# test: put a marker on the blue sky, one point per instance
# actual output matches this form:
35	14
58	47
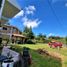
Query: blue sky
45	17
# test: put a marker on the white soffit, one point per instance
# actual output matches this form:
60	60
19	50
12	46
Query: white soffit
15	3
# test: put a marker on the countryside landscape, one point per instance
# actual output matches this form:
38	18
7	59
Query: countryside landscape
33	33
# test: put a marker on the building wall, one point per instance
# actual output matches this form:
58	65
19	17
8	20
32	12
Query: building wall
9	29
7	33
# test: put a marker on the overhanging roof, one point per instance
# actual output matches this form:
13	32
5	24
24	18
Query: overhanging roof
19	35
11	8
15	3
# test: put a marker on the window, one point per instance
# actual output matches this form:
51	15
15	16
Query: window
4	28
14	30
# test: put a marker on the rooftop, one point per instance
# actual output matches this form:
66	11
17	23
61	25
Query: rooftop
9	9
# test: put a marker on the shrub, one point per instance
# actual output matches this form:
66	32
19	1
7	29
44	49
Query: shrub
47	41
30	41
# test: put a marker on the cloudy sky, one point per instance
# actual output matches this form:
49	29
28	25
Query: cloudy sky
44	16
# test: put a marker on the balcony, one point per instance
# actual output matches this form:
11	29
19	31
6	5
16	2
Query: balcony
4	31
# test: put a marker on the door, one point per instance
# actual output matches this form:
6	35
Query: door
0	41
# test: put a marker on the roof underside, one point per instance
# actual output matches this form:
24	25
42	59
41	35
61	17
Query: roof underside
9	10
15	3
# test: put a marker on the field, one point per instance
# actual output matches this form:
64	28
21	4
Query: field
39	60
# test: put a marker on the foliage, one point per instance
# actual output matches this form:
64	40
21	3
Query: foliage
57	38
66	40
39	60
29	41
28	33
41	38
47	40
54	37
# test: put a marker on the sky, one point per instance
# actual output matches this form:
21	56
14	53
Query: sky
44	16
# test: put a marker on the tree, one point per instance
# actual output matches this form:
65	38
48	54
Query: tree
66	40
41	38
54	37
28	32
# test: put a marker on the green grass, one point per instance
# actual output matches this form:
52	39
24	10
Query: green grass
45	61
62	51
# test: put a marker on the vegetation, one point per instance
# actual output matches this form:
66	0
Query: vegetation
66	41
39	60
55	37
41	38
28	33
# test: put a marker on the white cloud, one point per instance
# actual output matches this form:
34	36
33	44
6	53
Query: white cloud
24	14
30	9
21	13
31	23
50	34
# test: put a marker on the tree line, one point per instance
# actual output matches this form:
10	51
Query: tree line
41	38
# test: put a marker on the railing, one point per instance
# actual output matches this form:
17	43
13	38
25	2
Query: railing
4	31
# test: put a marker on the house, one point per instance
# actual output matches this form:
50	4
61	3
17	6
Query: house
8	9
11	33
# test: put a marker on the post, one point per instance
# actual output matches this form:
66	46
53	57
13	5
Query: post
11	35
2	2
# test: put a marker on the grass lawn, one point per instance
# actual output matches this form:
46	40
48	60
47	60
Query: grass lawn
43	60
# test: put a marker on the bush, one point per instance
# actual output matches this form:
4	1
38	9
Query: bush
30	41
43	41
1	47
47	41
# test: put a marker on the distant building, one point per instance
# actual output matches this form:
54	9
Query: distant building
11	33
8	9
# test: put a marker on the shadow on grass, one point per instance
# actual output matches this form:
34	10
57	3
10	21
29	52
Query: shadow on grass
39	60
